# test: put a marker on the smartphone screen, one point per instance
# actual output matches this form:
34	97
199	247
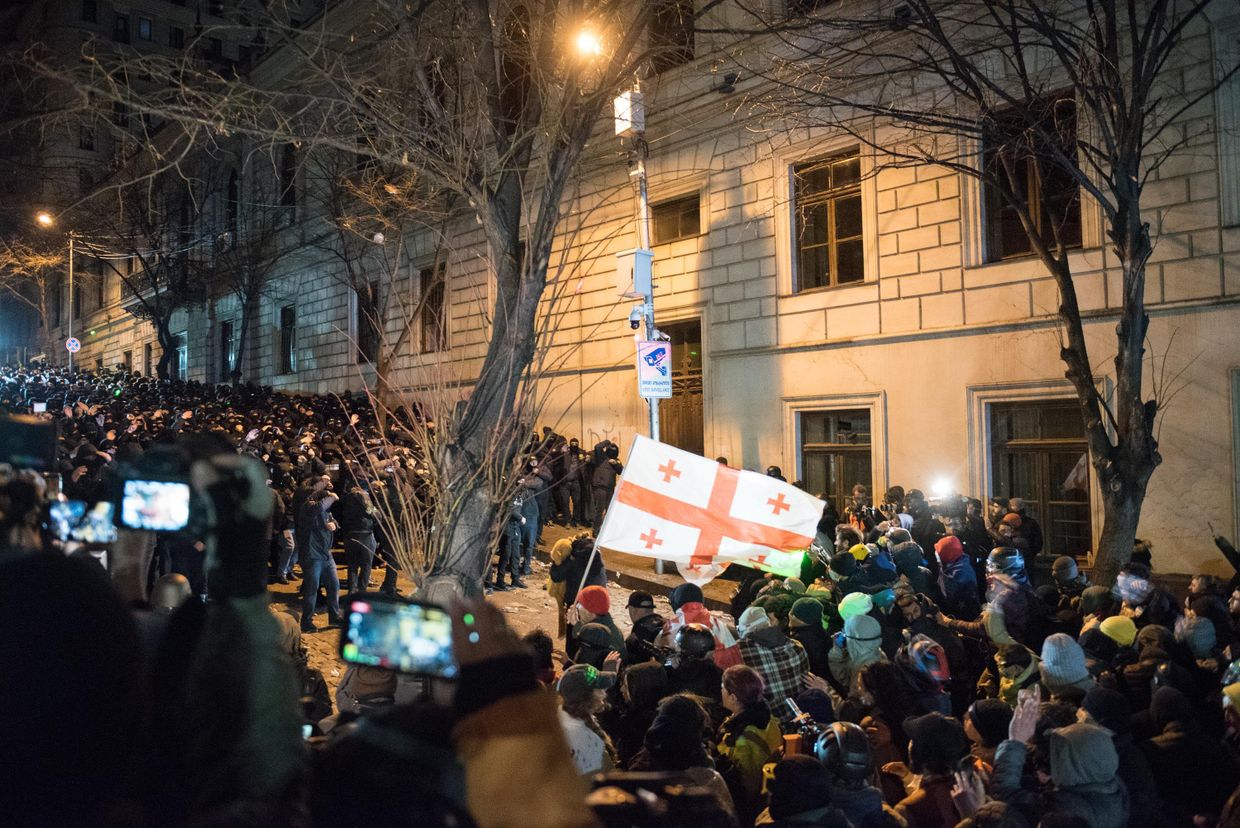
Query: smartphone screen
39	408
408	638
155	505
72	520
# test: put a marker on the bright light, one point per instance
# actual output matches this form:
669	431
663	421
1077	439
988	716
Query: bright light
45	219
941	487
589	44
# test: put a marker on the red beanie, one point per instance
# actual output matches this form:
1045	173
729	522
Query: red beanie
594	600
949	549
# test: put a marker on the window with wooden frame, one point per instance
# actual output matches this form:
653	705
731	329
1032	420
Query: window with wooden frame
678	218
836	453
1021	154
829	247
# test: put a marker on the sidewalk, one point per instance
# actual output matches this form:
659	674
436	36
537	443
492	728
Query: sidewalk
633	572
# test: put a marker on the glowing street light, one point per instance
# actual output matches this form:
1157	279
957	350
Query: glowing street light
589	43
45	220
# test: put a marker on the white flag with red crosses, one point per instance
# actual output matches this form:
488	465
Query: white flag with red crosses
702	515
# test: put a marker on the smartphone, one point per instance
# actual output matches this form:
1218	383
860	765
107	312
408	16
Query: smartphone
73	520
38	408
407	637
154	505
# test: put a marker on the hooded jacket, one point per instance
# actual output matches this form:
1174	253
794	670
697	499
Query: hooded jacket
958	583
862	645
1084	770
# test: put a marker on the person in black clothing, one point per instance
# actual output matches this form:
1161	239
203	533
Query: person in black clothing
580	564
642	686
805	625
357	522
1029	530
605	467
927	529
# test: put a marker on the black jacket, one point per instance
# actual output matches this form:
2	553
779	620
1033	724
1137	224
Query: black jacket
573	568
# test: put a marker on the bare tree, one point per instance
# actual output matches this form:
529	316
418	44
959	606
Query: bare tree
30	277
1045	103
249	244
472	104
148	231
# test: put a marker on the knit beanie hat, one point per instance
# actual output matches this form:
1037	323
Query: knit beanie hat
685	594
859	551
949	549
991	717
806	612
594	600
897	536
884	598
1094	599
752	620
854	604
1098	645
1155	635
1197	634
1120	629
844	565
798	785
1063	661
795	586
863	628
1109	708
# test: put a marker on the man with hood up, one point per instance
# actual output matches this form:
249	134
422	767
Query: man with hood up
1084	770
860	644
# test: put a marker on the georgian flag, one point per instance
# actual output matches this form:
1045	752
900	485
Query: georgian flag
702	515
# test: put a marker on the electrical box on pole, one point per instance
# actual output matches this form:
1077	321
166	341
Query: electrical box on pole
630	113
634	279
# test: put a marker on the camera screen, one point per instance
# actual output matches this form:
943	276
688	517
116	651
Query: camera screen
155	505
72	520
410	638
39	408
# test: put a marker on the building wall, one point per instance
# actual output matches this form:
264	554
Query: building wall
931	337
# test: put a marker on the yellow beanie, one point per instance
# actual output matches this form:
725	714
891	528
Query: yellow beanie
1120	629
860	552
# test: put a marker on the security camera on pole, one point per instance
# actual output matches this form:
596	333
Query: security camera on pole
634	269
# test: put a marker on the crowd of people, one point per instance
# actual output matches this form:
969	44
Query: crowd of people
930	667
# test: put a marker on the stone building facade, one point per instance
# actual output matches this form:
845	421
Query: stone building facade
899	345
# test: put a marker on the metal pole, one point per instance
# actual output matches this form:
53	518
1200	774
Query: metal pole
70	297
643	241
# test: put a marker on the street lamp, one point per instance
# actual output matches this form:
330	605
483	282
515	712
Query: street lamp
45	220
589	43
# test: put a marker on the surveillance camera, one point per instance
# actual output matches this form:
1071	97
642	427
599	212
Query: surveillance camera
635	317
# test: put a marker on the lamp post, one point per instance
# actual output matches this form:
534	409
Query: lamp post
46	220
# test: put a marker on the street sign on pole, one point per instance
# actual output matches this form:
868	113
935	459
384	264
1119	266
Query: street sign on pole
654	370
73	345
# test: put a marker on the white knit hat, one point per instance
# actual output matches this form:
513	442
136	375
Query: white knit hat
751	620
1063	662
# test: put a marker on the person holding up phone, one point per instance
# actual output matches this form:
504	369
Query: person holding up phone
315	530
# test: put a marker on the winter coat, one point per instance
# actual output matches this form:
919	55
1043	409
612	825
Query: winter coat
570	572
1193	772
958	583
908	557
817	646
862	647
747	741
1084	769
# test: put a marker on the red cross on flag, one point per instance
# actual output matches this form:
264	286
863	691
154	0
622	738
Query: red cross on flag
702	515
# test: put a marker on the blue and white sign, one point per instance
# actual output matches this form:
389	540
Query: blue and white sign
654	370
73	345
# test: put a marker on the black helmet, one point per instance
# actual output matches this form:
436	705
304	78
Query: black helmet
695	640
844	750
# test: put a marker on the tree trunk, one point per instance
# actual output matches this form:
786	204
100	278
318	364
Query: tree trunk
460	566
247	314
1121	514
167	349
